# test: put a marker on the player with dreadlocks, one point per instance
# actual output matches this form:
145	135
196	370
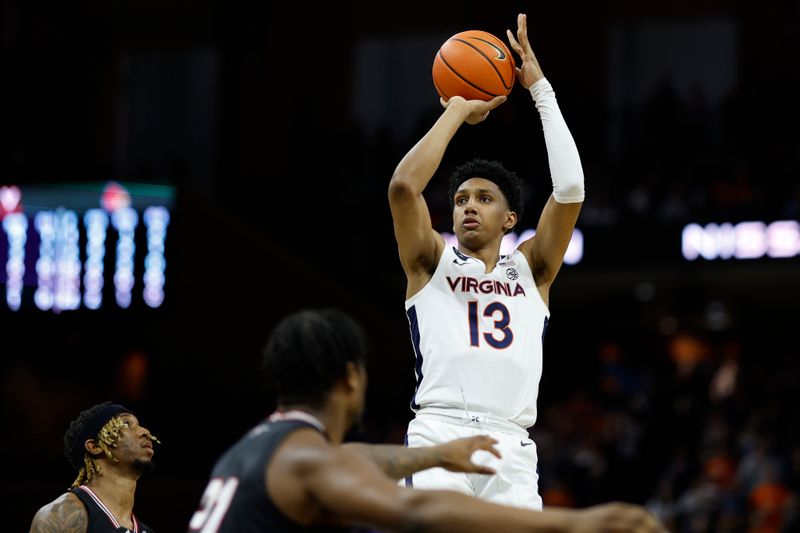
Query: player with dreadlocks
110	451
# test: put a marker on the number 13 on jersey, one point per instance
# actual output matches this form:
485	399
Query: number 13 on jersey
500	336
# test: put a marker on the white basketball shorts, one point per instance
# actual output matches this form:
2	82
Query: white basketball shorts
516	482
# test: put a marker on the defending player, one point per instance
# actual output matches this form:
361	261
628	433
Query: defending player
110	451
291	473
478	319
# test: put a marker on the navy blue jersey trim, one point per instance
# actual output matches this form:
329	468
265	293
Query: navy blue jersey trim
414	326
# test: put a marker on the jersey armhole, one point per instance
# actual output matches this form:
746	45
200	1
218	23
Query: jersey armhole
445	251
77	497
533	277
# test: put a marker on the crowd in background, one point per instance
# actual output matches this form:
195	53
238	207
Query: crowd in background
701	428
687	161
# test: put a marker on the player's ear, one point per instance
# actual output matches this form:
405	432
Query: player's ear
511	221
352	376
92	447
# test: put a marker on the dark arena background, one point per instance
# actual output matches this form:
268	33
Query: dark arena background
177	176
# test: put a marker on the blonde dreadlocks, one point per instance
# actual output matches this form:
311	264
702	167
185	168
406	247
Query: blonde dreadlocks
107	438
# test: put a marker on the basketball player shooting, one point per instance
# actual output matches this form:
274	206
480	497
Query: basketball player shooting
477	318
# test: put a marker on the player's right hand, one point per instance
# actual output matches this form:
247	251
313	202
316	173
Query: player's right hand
615	518
476	110
456	455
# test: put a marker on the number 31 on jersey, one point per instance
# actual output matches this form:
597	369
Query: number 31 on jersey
213	505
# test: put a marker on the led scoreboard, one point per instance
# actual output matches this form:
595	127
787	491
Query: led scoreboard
70	246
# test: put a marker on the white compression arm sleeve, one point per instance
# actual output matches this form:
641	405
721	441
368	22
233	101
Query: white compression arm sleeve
565	163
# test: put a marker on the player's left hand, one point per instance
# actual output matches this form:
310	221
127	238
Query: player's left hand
456	455
529	72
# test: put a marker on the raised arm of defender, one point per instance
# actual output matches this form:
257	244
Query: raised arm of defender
418	244
545	252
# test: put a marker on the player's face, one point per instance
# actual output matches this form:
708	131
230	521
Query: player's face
135	445
480	212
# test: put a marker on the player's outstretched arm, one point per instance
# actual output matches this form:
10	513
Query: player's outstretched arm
545	251
352	488
612	518
66	514
418	244
398	462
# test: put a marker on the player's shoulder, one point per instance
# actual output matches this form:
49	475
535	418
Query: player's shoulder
521	255
429	263
64	514
525	256
526	248
67	500
304	450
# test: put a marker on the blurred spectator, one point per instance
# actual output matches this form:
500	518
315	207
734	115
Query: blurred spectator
770	504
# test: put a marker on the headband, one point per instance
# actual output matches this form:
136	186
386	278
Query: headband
90	429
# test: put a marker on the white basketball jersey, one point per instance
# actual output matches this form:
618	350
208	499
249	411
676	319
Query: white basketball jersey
478	337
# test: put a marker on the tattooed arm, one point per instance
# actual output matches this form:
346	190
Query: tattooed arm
398	462
66	514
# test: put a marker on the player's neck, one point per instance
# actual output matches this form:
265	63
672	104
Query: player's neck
116	491
488	254
332	418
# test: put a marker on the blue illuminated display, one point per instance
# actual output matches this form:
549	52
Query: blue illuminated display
79	243
15	226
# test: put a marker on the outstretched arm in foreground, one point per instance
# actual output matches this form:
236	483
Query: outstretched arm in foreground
351	487
398	462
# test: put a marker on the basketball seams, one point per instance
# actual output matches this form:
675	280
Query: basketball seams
462	78
510	58
489	60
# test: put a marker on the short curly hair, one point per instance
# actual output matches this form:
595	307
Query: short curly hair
508	182
308	352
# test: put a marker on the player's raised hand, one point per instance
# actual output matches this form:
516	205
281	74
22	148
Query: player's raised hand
477	110
456	455
529	72
615	518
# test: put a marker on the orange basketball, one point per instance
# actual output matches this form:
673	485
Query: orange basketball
473	64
